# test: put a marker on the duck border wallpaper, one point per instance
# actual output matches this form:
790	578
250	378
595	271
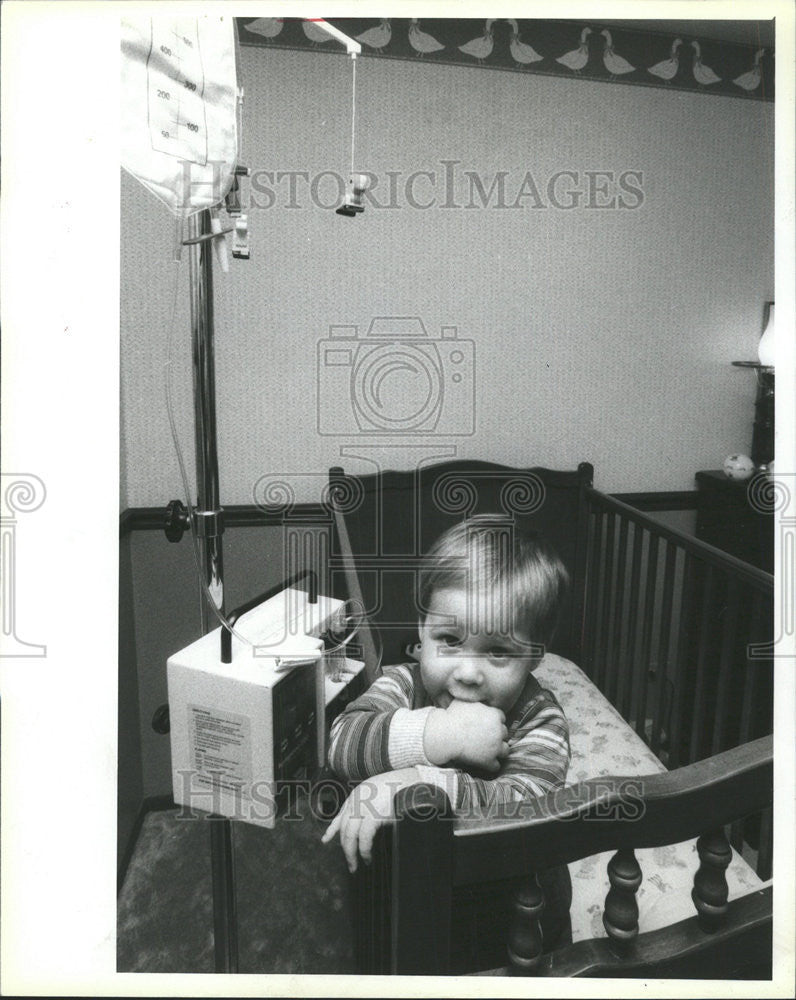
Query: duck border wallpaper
553	48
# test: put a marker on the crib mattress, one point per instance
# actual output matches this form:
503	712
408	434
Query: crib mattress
602	743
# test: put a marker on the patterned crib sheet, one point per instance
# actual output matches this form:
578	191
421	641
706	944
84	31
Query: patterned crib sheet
602	743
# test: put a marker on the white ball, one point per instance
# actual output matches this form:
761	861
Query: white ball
738	467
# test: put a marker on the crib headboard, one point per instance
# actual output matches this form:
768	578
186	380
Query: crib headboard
393	517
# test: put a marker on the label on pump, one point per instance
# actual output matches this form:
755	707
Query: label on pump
220	749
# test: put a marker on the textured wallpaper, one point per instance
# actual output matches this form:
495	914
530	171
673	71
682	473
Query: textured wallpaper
586	261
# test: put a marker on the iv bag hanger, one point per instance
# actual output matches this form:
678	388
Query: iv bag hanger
352	48
357	183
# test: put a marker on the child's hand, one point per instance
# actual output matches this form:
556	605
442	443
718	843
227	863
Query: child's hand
470	733
367	808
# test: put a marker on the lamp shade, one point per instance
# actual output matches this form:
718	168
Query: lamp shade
766	349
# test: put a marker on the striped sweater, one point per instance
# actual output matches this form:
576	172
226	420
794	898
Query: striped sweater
382	730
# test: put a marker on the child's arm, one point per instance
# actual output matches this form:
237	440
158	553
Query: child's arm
380	731
537	762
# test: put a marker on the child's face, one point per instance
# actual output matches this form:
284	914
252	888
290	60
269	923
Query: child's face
462	661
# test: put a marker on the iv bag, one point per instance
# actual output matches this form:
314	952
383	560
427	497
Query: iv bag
179	99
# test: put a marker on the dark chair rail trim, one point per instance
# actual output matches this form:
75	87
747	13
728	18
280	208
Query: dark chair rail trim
237	516
252	516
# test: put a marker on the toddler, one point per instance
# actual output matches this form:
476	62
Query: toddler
469	716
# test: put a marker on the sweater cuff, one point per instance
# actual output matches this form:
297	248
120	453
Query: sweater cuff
445	778
405	746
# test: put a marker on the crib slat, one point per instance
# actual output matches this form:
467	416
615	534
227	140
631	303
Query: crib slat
650	591
737	828
608	596
683	666
617	665
620	916
736	835
629	676
593	578
700	692
766	845
598	595
525	932
725	663
670	559
750	677
763	720
610	562
710	881
750	827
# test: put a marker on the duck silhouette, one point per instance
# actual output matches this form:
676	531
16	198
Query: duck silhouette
376	38
667	68
421	41
577	58
703	74
480	48
315	34
520	52
751	80
268	27
616	65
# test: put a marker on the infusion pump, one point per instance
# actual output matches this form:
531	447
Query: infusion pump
242	731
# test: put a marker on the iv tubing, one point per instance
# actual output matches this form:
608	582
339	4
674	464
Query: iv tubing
353	107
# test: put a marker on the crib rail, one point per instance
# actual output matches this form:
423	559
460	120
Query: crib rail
676	634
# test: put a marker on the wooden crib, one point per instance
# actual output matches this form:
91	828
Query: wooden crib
667	641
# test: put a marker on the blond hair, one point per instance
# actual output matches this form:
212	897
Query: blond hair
521	576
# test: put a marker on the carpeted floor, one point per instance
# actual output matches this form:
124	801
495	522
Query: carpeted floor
293	901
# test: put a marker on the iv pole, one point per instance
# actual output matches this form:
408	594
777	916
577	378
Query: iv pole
208	517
